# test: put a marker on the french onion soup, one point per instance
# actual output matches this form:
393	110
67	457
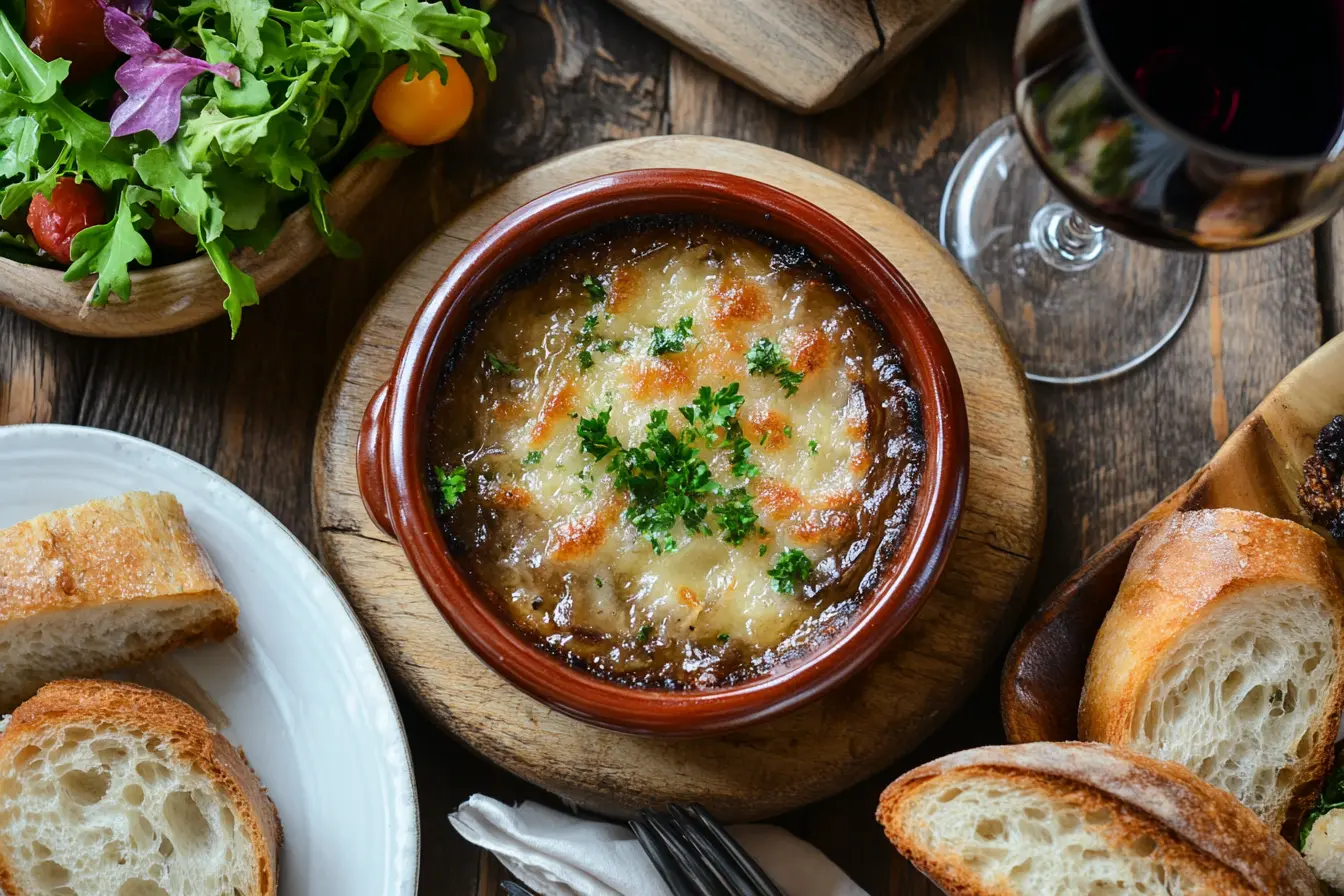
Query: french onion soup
675	453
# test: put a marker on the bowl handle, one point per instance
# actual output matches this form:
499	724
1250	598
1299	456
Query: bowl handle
369	460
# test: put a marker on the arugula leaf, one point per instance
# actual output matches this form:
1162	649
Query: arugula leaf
791	567
37	78
245	20
183	196
340	244
452	484
242	288
20	137
667	341
109	249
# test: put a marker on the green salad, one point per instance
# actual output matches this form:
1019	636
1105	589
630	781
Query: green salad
196	125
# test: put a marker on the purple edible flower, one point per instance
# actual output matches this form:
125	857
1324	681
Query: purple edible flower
153	77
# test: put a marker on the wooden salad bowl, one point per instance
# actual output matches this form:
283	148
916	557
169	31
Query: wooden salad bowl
173	297
1259	468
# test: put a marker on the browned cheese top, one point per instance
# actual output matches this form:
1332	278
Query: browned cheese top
670	316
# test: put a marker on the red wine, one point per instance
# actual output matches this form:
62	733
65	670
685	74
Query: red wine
1247	75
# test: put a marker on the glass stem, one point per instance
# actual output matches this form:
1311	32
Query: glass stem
1065	239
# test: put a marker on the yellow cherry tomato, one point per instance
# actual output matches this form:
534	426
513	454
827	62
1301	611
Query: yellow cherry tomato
424	110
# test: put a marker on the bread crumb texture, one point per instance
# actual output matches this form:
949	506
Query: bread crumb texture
115	790
1006	832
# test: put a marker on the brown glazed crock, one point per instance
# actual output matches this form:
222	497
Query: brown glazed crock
394	476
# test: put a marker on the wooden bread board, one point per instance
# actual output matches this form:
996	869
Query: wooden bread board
1258	468
804	55
799	758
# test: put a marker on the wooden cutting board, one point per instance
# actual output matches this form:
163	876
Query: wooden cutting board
805	55
770	768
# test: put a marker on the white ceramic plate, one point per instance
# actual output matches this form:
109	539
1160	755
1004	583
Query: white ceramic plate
303	694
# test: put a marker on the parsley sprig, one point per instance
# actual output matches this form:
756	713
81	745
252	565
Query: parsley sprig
737	518
595	290
713	411
765	358
667	480
499	365
664	342
791	568
452	484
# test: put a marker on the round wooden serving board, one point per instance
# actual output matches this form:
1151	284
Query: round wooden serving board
770	768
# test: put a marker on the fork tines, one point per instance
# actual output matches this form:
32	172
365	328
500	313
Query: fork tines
696	856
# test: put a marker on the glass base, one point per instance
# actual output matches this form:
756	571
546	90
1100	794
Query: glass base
1079	302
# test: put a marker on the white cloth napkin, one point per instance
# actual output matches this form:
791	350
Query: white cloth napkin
559	855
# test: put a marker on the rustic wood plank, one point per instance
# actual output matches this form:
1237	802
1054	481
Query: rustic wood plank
41	372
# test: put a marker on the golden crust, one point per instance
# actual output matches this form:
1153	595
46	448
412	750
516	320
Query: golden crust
1194	824
1182	570
186	732
736	301
557	404
136	546
654	378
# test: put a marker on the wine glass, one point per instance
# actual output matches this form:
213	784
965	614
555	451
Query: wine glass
1146	133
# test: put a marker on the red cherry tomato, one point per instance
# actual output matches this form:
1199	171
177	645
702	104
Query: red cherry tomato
56	221
424	110
69	29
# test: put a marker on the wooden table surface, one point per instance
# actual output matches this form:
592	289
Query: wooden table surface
577	72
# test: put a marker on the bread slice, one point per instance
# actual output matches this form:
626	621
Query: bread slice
111	789
100	586
1222	653
1085	819
1324	849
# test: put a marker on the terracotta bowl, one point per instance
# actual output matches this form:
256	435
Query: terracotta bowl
393	467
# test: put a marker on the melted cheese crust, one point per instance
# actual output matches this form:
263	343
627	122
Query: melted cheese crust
541	526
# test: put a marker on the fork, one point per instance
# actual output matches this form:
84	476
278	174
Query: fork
695	856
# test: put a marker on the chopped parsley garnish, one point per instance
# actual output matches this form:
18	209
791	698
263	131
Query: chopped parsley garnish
644	632
665	342
788	431
585	359
598	580
791	567
593	436
589	325
587	492
723	637
741	459
711	411
761	552
668	482
737	518
765	359
533	457
499	365
595	290
812	447
452	483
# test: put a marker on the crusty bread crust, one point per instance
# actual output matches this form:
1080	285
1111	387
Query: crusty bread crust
1226	841
135	548
1180	573
186	731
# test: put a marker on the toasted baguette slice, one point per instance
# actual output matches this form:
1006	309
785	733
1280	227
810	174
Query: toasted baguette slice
100	586
1222	653
110	789
1324	849
1046	818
